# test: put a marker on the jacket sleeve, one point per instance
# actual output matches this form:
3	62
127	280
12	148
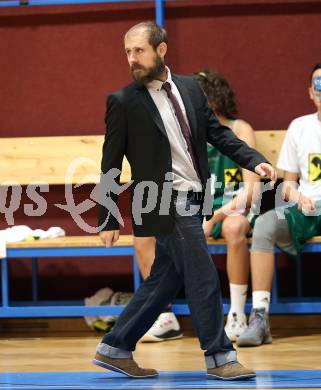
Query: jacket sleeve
223	138
112	157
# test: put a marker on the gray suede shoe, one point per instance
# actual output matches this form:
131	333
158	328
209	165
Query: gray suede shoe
258	331
230	372
125	366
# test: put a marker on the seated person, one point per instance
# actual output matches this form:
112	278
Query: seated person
233	225
288	228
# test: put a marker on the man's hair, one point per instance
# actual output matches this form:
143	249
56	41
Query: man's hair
316	67
156	34
218	91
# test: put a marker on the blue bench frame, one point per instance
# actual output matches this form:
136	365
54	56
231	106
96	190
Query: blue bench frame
36	308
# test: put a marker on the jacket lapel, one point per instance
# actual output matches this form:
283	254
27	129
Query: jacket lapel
189	108
151	108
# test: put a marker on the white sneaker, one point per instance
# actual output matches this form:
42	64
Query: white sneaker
166	327
235	325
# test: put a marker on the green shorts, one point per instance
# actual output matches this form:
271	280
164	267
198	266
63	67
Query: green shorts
302	227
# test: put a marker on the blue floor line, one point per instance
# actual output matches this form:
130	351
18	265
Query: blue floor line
274	379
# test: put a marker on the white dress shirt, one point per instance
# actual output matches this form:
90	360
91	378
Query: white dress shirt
184	175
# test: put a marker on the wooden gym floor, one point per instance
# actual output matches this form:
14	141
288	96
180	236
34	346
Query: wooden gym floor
59	351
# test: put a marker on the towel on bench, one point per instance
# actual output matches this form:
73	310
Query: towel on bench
22	233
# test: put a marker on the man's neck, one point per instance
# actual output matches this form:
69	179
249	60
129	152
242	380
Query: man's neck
163	76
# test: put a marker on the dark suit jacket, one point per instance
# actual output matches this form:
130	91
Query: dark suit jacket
134	128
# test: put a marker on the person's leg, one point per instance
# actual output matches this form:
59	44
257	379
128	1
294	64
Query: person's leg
262	268
166	327
188	249
235	230
181	256
145	254
115	350
269	230
262	262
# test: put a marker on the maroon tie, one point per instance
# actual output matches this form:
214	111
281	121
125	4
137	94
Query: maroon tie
183	125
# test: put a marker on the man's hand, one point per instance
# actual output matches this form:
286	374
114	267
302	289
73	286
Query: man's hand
266	170
306	205
109	237
208	228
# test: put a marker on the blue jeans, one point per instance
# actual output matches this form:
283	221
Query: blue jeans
182	258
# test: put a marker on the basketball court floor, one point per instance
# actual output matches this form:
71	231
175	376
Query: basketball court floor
292	361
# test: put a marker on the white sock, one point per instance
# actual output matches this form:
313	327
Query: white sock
238	294
261	299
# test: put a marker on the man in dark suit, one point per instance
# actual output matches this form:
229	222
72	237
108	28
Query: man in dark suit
162	123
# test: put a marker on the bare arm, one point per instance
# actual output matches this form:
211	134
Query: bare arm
250	191
291	194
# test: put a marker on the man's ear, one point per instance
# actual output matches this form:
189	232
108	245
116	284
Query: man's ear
162	49
311	93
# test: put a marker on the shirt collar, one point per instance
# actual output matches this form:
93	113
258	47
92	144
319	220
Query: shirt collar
157	84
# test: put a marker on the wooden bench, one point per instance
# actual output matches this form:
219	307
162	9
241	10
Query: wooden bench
46	159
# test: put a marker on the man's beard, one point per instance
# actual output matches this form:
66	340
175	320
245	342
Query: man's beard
152	73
